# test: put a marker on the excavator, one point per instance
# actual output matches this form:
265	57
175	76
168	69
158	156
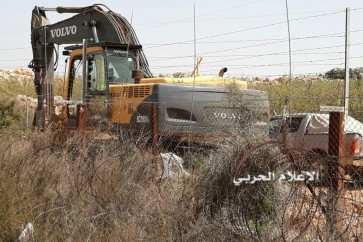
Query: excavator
108	78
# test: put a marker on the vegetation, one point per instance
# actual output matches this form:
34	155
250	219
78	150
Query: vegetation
106	189
13	110
339	73
8	115
308	94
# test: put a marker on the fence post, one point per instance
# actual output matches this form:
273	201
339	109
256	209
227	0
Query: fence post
336	172
155	133
82	124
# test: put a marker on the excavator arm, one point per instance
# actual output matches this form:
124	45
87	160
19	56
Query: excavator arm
94	23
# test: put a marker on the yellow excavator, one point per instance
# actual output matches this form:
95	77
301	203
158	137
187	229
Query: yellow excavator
108	76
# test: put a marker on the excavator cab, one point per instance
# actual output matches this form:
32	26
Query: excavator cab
107	64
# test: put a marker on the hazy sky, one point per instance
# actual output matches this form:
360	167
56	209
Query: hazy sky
249	37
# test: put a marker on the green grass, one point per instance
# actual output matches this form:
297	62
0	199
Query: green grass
13	112
308	95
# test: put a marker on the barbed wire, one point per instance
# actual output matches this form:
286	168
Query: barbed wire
248	56
259	45
251	28
328	35
184	20
241	17
240	56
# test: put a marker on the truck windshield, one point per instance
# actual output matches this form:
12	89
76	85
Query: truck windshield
119	66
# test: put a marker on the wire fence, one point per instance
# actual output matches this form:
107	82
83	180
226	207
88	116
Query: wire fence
328	42
289	175
287	169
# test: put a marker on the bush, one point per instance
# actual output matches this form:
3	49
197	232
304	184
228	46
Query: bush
339	73
8	115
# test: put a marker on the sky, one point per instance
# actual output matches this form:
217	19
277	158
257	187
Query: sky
249	37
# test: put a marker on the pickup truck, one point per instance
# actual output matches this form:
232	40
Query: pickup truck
309	132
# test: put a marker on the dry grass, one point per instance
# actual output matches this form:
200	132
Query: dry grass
107	191
110	194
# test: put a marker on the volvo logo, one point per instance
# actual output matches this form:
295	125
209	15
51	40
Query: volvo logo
64	31
120	52
218	115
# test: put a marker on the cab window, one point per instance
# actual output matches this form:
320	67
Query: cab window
75	80
119	67
293	124
97	73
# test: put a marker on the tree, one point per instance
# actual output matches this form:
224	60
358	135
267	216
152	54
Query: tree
339	73
179	74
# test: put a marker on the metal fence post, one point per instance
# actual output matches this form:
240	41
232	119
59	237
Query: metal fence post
336	171
155	133
82	124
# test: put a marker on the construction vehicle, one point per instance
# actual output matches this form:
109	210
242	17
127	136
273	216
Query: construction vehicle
108	77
